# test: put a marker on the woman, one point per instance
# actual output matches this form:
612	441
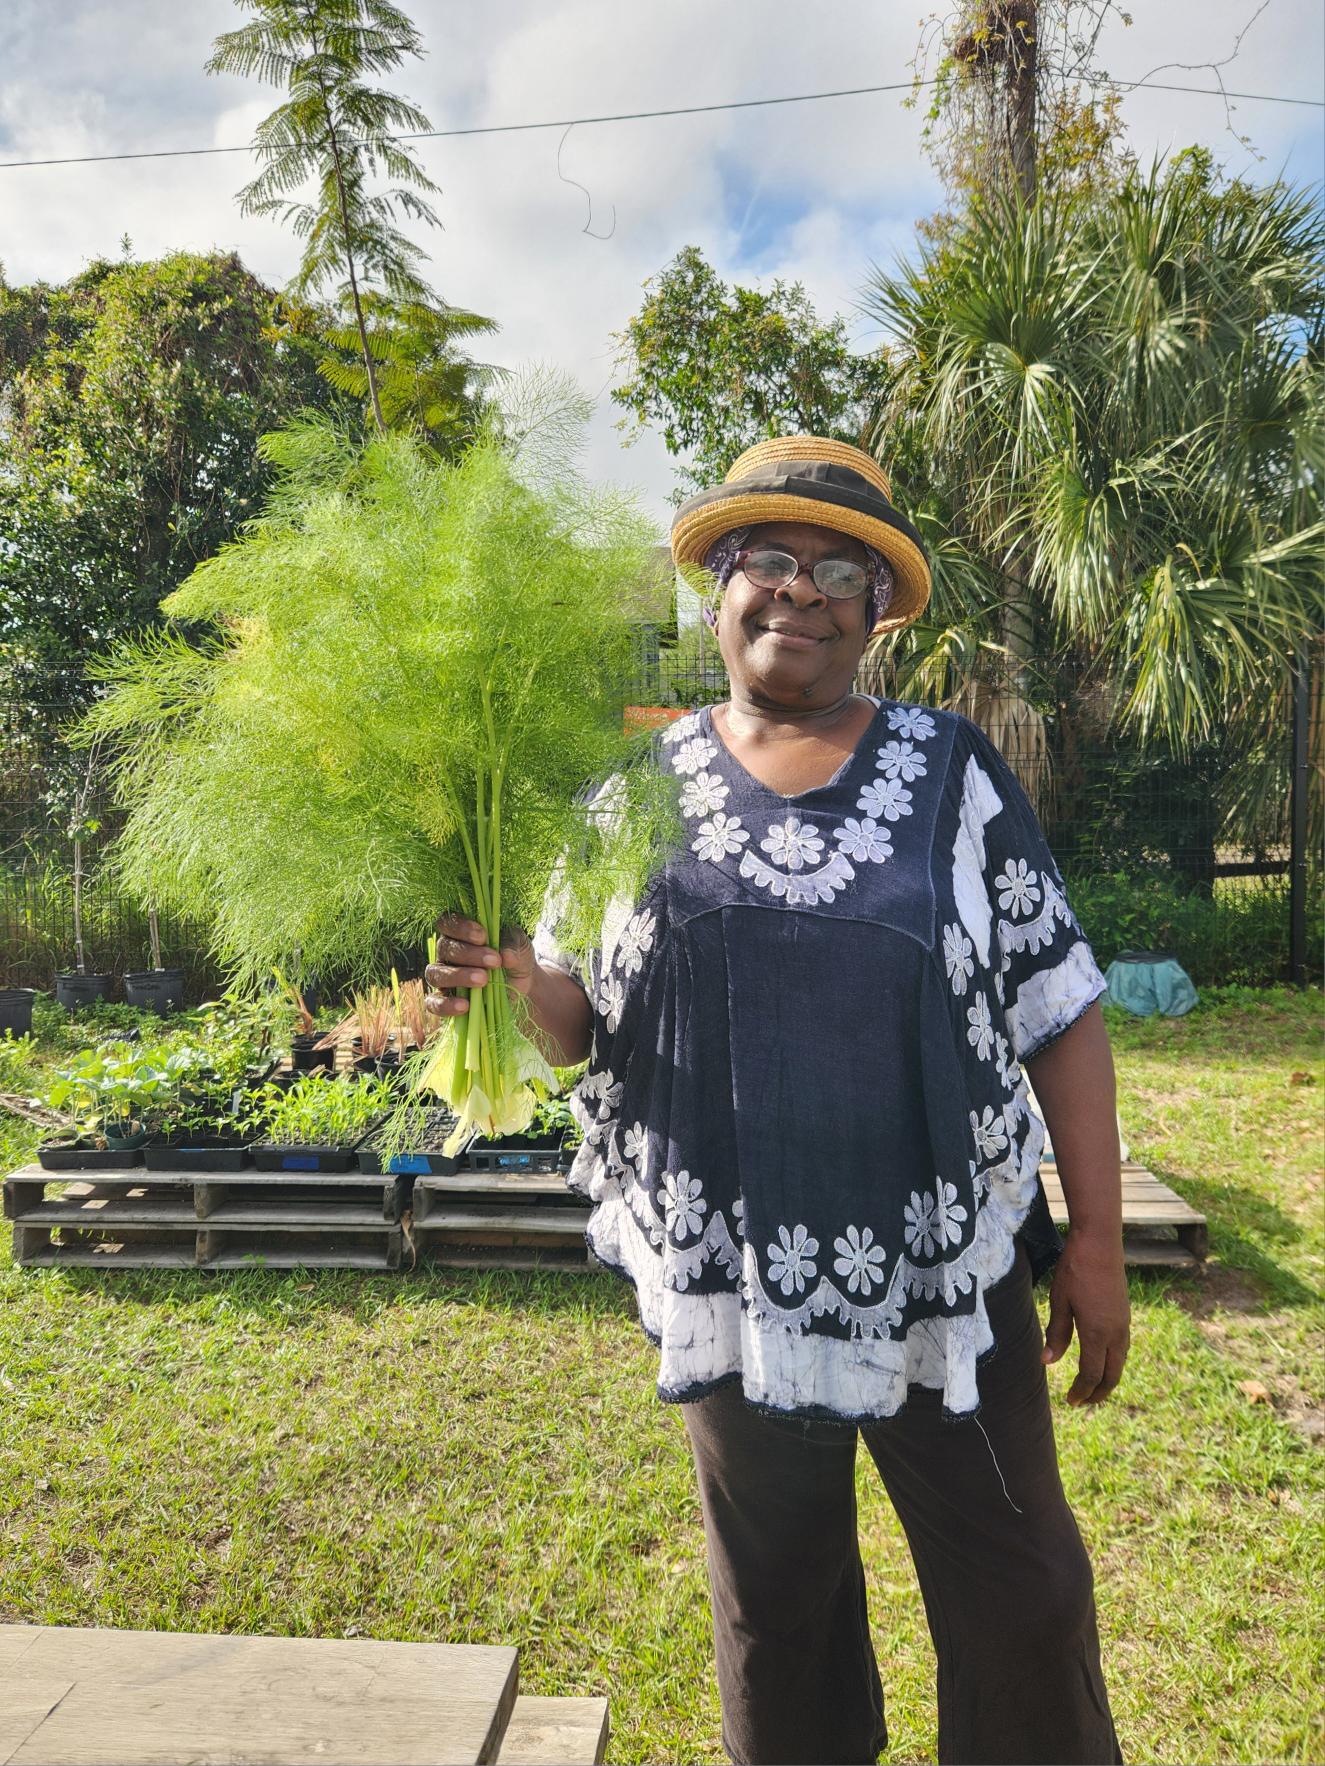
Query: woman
809	1145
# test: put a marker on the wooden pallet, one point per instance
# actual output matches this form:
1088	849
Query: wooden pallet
181	1219
500	1220
1159	1228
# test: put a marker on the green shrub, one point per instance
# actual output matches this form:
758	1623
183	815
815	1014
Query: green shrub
1238	935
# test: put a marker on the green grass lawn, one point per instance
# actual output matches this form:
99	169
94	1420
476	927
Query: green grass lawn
481	1458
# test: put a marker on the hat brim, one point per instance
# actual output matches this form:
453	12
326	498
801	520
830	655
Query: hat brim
706	517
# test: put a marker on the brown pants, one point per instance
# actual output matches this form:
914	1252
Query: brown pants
1006	1581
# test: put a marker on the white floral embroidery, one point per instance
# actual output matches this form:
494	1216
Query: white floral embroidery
910	721
610	999
902	760
791	1262
634	1144
948	1217
980	1032
957	957
718	837
989	1131
1009	1068
682	729
859	1259
805	889
683	1202
703	794
918	1216
793	844
636	942
888	798
864	840
1018	888
693	756
601	1090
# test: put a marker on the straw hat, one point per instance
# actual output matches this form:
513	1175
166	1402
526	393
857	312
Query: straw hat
824	482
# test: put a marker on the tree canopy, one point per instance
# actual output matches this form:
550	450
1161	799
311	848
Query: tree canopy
131	402
718	369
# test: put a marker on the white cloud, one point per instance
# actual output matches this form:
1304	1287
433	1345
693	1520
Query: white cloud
814	192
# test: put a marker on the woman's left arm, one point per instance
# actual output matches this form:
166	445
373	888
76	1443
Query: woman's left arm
1074	1085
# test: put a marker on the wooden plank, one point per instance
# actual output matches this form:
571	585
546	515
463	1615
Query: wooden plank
114	1209
555	1732
24	1706
157	1699
1156	1253
547	1219
33	1250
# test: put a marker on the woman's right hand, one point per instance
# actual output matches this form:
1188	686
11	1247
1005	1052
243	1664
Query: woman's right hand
465	959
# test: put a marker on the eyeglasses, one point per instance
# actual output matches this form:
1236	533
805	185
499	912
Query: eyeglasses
767	568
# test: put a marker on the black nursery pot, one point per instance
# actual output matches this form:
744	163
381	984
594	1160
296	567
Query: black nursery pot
73	991
16	1009
304	1056
160	990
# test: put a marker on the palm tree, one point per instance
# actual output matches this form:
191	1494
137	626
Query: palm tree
1105	409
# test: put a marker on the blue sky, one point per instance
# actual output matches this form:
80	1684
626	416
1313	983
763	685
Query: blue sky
813	192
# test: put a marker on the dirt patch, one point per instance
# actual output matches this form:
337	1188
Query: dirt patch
1215	1288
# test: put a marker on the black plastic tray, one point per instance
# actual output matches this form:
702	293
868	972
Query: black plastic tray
89	1158
196	1156
415	1164
517	1152
269	1157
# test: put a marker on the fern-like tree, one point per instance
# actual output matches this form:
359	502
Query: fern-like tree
338	130
425	383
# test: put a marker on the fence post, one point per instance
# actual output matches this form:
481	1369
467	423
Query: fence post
1297	851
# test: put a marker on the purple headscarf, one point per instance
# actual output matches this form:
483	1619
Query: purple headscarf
720	560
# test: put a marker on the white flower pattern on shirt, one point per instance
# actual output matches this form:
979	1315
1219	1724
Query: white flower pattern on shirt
611	998
684	1204
957	957
988	1130
911	721
636	942
864	841
902	760
703	794
888	798
791	1261
1018	888
792	844
717	837
693	756
980	1027
918	1216
859	1259
948	1216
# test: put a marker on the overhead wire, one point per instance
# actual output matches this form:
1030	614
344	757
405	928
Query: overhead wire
632	116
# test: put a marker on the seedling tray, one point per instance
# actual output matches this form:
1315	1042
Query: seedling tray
200	1154
517	1152
89	1158
425	1161
269	1157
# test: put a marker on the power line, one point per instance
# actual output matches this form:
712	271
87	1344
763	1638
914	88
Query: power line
635	116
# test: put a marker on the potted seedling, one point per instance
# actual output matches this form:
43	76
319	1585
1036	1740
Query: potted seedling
80	988
309	1047
160	989
374	1038
110	1092
203	1122
318	1122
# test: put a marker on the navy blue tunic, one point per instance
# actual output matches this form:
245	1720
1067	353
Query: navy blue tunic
807	1134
